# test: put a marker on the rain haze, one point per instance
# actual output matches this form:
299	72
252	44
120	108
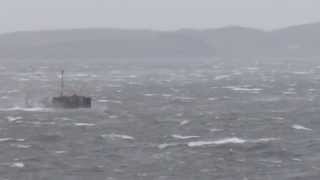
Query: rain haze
18	15
159	90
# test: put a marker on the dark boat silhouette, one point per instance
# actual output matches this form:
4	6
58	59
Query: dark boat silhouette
70	102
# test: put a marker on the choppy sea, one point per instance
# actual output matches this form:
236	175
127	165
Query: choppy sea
185	120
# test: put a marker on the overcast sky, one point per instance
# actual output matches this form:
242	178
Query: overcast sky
16	15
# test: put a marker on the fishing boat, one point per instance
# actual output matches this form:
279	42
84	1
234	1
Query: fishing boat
72	101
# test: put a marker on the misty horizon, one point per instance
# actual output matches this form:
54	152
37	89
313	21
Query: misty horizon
35	15
233	41
162	30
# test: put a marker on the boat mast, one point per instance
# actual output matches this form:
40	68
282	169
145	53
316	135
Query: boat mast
62	83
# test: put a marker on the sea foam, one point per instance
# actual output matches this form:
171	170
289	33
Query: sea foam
232	140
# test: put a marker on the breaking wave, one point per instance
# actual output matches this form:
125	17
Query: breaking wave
33	109
233	140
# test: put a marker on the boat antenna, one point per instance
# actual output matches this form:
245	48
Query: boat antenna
62	83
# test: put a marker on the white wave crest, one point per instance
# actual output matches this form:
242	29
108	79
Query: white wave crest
17	165
233	140
167	145
84	124
11	139
299	127
34	109
176	136
12	119
117	136
184	122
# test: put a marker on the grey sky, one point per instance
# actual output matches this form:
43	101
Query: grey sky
18	15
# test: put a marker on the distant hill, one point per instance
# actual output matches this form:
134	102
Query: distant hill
296	41
101	43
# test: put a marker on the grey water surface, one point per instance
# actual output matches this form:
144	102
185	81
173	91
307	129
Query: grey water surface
200	119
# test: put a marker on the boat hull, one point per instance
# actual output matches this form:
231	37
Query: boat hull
72	102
